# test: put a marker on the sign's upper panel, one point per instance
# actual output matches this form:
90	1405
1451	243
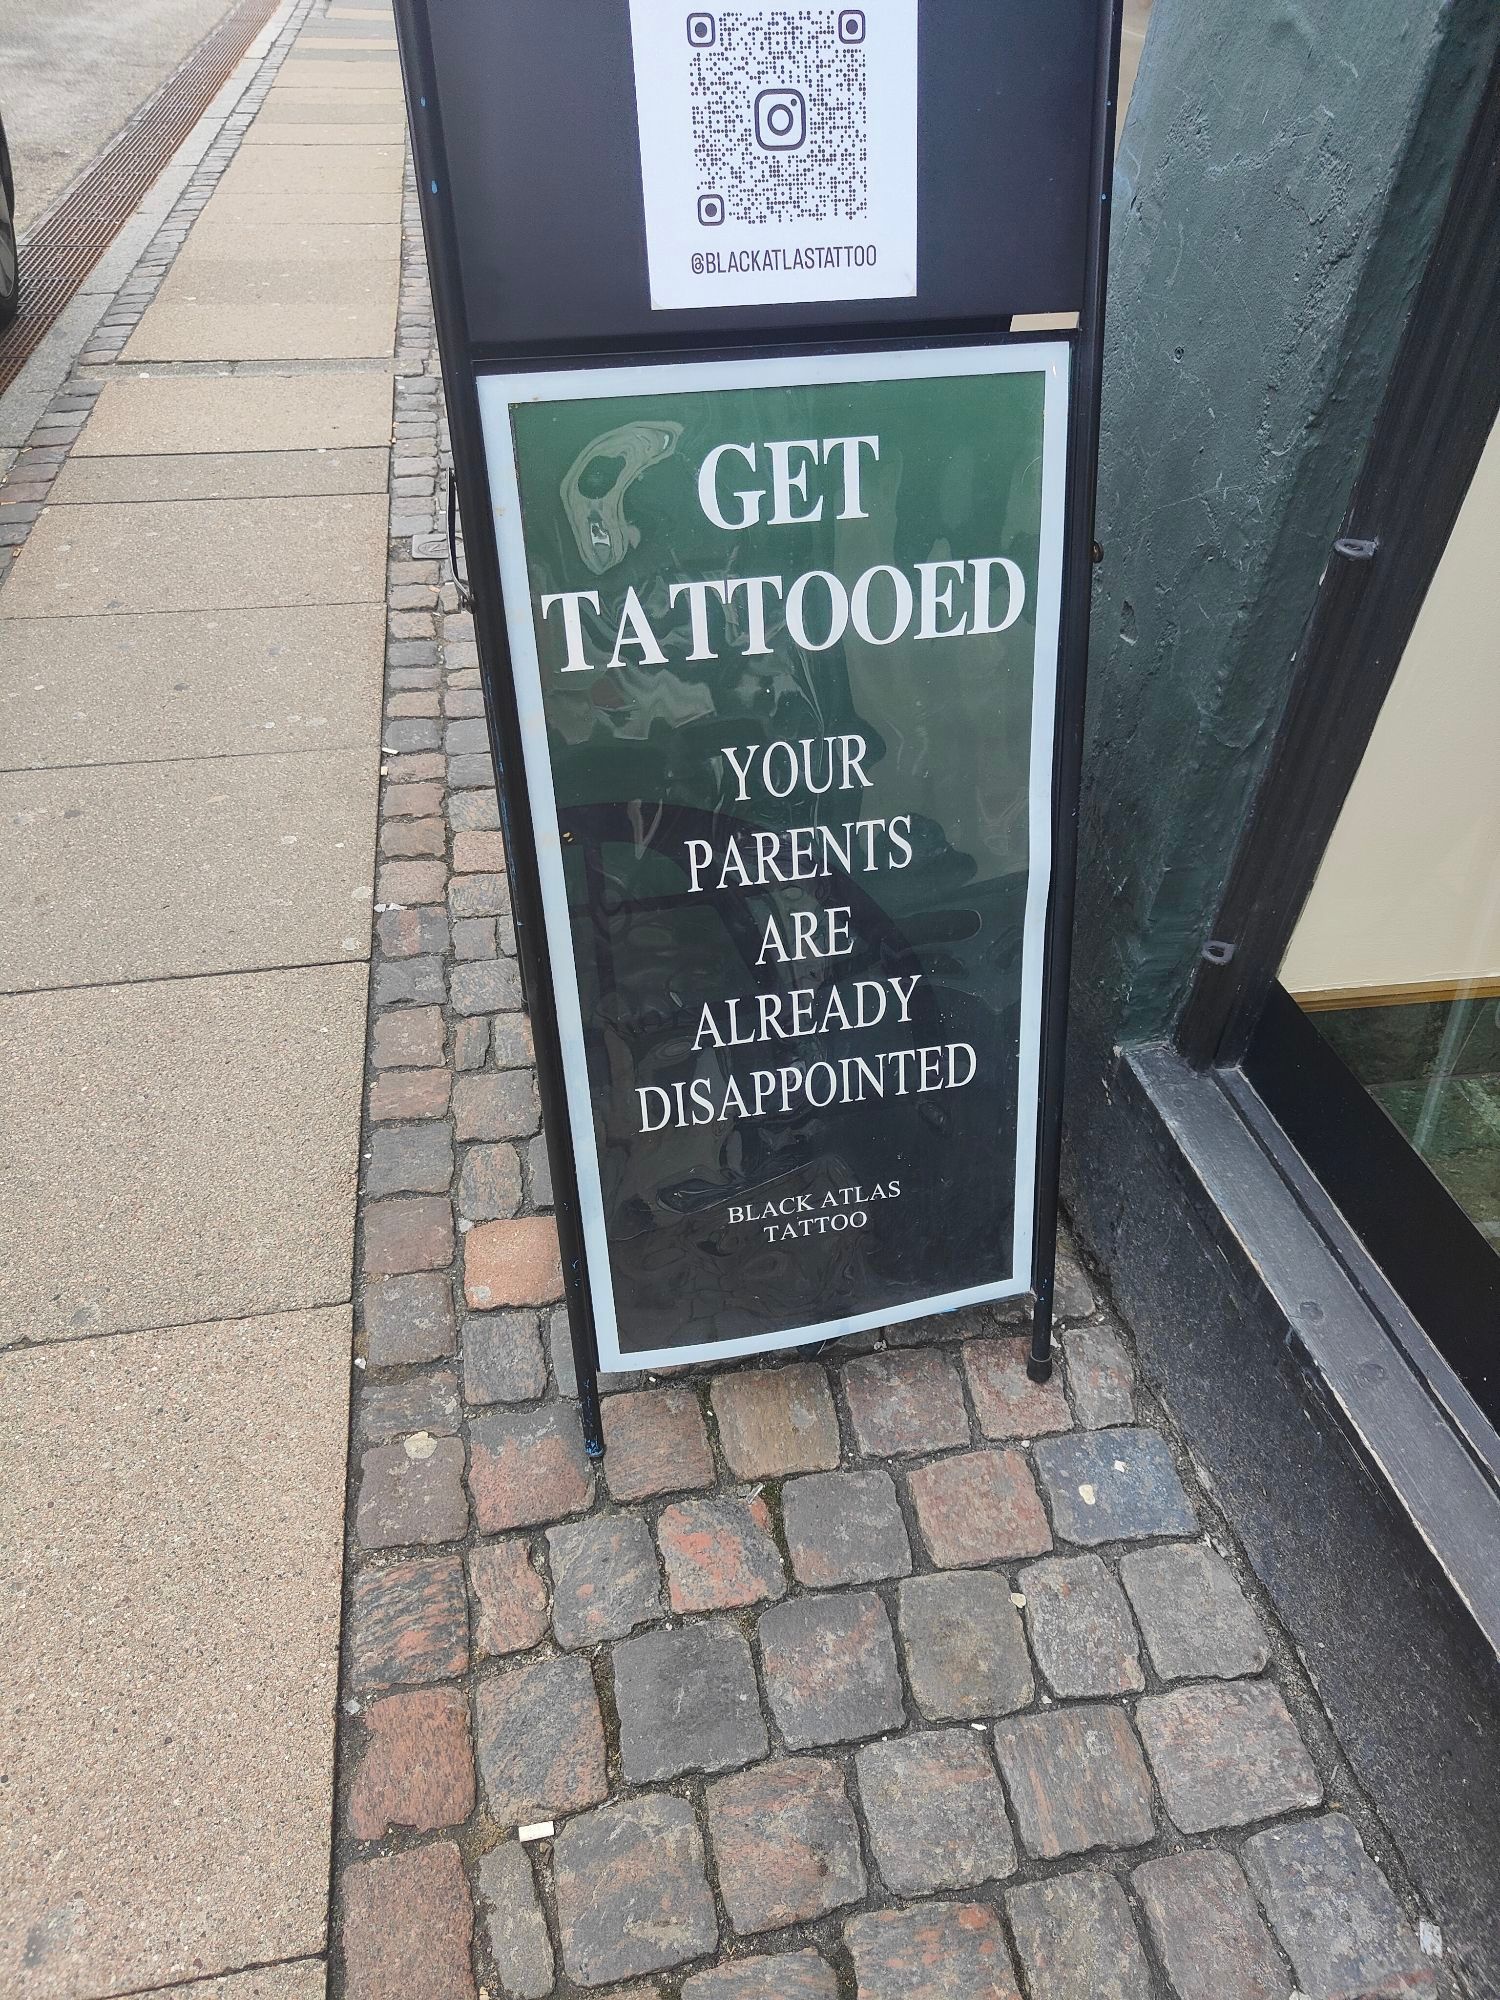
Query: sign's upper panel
621	171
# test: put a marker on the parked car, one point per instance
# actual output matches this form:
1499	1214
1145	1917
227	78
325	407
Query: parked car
9	278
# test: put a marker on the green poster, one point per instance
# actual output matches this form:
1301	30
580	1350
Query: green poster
784	638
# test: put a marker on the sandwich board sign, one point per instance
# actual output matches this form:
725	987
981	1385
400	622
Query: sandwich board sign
780	583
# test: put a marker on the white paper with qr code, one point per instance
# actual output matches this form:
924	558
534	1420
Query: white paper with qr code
778	150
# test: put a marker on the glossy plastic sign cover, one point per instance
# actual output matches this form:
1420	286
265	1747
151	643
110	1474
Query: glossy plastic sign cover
784	635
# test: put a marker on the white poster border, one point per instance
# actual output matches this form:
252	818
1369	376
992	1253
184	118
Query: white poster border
498	394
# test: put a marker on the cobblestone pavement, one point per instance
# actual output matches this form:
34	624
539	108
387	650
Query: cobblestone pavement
880	1673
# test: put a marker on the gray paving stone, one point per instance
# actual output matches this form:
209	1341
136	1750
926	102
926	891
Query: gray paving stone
938	1951
1076	1780
489	1186
632	1896
1207	1929
965	1649
1196	1620
408	1318
604	1579
385	1411
791	1975
1101	1380
687	1701
409	1159
786	1843
411	1494
1112	1486
719	1552
905	1402
514	1924
844	1527
416	982
539	1171
1076	1939
503	1358
935	1811
1226	1753
485	986
1080	1627
1335	1915
315	412
540	1740
830	1668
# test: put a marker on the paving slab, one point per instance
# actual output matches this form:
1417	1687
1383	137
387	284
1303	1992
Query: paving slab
209	555
166	1720
269	245
312	90
268	330
221	864
290	166
304	205
324	73
222	475
122	688
313	125
189	1151
161	415
302	1979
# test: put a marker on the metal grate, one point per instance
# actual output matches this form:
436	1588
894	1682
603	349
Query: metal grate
66	245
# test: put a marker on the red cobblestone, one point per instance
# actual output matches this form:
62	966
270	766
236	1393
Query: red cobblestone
408	1038
1006	1401
408	1926
719	1553
408	1233
417	1768
409	1093
655	1441
980	1507
512	1598
408	1623
513	1263
773	1421
906	1402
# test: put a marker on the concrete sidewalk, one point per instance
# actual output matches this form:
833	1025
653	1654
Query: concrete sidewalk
191	655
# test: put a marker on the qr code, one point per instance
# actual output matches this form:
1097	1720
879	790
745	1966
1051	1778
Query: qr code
779	109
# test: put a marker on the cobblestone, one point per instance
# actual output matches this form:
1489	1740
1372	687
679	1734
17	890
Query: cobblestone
514	1924
632	1896
1113	1486
655	1442
410	1093
906	1402
1196	1621
830	1668
410	1038
687	1701
540	1739
936	1812
1077	1940
1206	1928
965	1650
786	1843
1076	1780
408	1623
385	1411
1080	1628
515	1263
941	1951
1226	1753
501	1106
489	1187
408	1233
1007	1402
774	1421
412	1493
408	1318
408	1926
791	1975
417	1769
604	1579
1335	1915
510	1598
503	1358
719	1553
414	1159
845	1527
527	1467
1100	1377
980	1507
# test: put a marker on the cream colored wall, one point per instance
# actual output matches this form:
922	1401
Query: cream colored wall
1409	890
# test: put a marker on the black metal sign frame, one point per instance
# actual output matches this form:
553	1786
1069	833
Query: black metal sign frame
463	362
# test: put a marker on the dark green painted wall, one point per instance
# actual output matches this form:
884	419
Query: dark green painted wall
1282	172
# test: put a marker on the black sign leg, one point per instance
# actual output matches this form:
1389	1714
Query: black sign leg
1039	1360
